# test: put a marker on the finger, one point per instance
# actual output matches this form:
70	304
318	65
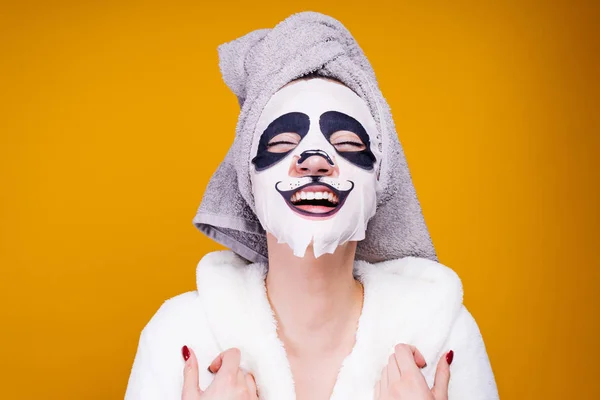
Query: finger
231	361
251	383
392	370
241	378
215	365
191	385
442	377
384	378
243	385
405	358
419	359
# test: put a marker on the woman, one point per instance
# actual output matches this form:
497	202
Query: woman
328	308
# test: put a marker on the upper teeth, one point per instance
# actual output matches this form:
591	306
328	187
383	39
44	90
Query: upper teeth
314	196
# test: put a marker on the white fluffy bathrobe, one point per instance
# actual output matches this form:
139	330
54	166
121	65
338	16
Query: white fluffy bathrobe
410	300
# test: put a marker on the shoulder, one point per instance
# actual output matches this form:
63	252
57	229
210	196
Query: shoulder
414	300
216	272
416	268
465	325
178	321
416	279
173	314
465	334
157	366
472	374
181	321
465	337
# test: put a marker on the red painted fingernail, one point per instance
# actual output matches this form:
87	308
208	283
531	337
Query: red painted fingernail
450	357
209	370
185	352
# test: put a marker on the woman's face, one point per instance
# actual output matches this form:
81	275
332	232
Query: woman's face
313	172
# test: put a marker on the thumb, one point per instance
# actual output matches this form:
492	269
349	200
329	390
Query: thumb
191	384
442	377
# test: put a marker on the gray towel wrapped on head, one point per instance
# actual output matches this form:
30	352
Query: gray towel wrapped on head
257	65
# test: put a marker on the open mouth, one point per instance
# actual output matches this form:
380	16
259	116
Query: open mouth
315	199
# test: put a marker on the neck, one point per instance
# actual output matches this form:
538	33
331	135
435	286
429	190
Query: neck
314	299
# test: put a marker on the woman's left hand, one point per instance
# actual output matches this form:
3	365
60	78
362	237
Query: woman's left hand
401	378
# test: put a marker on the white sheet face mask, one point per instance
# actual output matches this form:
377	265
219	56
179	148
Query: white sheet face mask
313	173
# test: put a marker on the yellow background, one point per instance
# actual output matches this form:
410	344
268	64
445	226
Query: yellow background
113	116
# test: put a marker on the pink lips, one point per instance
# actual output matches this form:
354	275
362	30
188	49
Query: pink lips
315	209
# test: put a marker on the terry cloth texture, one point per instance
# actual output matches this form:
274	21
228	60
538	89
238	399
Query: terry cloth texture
257	65
411	300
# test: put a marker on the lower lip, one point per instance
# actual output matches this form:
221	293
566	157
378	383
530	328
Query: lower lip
315	209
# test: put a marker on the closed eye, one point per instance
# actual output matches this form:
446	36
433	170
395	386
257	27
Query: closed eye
271	144
356	144
346	141
283	142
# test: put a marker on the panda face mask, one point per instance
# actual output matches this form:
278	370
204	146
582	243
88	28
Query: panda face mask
313	173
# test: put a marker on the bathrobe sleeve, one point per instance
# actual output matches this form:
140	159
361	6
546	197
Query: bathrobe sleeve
157	371
471	376
146	380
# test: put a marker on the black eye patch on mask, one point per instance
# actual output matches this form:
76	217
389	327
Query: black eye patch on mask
334	121
295	122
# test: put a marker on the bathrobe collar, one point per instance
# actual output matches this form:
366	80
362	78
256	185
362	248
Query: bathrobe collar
409	300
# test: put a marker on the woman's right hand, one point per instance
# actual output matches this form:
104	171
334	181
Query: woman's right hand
401	378
229	383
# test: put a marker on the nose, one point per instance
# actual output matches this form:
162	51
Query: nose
313	165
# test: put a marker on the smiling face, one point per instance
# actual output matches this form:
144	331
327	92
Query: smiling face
313	172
